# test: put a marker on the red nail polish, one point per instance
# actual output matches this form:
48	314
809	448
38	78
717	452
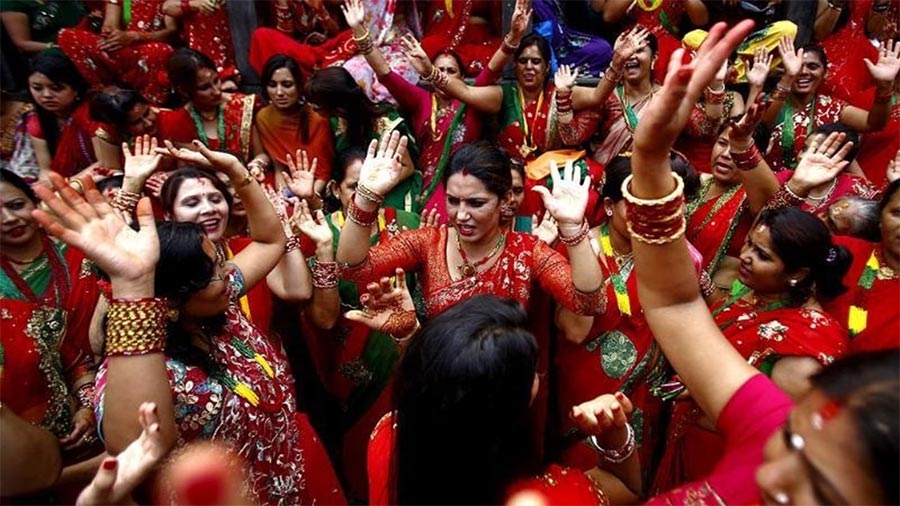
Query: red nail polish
110	464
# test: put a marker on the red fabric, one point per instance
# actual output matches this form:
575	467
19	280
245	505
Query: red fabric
828	110
267	42
668	42
259	298
178	126
141	66
882	301
847	184
474	43
74	149
707	232
692	451
38	375
210	33
848	78
749	419
877	149
558	485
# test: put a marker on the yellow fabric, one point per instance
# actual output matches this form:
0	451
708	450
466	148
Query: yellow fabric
767	37
539	168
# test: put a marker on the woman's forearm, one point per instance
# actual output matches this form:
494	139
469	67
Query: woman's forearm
354	244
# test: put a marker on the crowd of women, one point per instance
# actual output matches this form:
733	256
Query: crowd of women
648	257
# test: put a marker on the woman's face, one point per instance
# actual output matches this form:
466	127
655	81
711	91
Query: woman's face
639	66
17	227
723	168
198	201
237	205
471	208
890	226
209	89
518	188
213	299
531	68
282	89
761	268
812	72
816	459
142	120
56	97
344	190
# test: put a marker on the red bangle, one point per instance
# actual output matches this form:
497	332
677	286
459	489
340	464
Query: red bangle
748	160
358	216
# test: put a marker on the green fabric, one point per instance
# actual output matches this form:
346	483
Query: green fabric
523	224
47	19
510	108
126	12
37	275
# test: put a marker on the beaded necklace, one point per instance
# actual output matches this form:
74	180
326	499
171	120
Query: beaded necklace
528	146
857	318
619	278
201	130
631	117
469	269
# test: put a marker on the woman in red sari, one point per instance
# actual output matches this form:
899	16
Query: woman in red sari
303	30
135	56
868	310
221	120
48	291
205	28
465	27
846	46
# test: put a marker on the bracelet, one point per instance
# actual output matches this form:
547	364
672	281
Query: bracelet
832	5
619	455
369	194
784	198
612	75
578	236
362	218
438	78
781	93
324	274
126	201
747	160
136	327
656	221
185	6
362	37
365	45
508	48
85	395
246	180
707	287
715	97
293	243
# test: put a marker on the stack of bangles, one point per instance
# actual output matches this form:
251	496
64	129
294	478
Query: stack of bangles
781	93
357	215
619	455
707	287
749	159
85	395
715	97
292	244
126	201
136	327
508	48
437	78
578	236
364	44
657	221
612	74
563	102
784	197
324	274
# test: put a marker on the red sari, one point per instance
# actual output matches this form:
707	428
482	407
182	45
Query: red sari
556	485
877	149
848	78
718	226
210	33
141	66
662	21
783	149
700	134
844	185
74	147
761	337
237	111
448	27
256	305
44	340
882	329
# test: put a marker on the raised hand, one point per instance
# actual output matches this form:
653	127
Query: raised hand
741	132
119	475
893	168
603	416
668	111
204	6
155	182
888	62
202	156
791	60
90	224
416	55
276	198
565	78
145	159
629	43
547	230
301	175
312	225
762	62
388	308
569	198
519	22
430	218
821	163
355	13
383	165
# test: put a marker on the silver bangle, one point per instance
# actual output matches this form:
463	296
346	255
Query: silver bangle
618	455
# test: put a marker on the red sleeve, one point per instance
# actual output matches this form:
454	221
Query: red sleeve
579	130
486	77
33	126
554	274
381	449
410	97
406	250
75	350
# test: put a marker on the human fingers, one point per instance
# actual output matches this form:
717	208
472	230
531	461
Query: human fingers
400	274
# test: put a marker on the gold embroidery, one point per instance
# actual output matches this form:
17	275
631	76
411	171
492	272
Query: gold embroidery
46	327
246	123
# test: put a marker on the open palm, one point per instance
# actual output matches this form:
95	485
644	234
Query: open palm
888	62
383	167
145	159
823	161
301	175
569	197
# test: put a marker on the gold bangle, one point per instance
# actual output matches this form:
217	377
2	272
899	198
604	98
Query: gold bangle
665	199
136	327
362	37
247	179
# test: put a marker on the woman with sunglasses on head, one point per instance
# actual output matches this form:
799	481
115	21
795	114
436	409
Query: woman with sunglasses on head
211	373
807	461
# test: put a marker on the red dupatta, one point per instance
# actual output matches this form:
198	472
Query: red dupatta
712	224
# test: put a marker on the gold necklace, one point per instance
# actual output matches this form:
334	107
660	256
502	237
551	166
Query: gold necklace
469	269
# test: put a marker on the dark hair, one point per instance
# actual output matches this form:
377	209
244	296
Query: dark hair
456	57
812	47
536	40
619	168
113	105
337	90
110	182
463	393
8	176
652	43
851	136
867	388
865	219
59	69
169	191
182	69
886	197
280	61
801	240
488	163
344	159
